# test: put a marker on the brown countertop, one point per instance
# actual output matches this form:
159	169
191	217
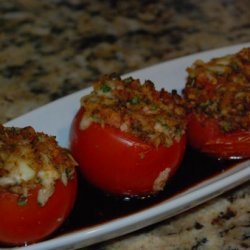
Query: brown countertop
52	48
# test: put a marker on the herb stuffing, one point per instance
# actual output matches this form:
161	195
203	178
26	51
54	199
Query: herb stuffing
156	117
30	159
220	89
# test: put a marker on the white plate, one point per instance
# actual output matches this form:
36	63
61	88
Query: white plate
55	119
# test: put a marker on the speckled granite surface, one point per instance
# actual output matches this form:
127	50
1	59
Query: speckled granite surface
51	48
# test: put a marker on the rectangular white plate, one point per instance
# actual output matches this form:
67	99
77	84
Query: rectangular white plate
55	119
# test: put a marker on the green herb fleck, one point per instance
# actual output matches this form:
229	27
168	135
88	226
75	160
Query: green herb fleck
154	107
128	80
105	88
165	126
22	201
191	82
205	105
235	66
69	172
135	100
226	126
178	131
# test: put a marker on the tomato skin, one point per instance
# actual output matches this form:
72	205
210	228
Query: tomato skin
201	130
24	224
118	162
205	135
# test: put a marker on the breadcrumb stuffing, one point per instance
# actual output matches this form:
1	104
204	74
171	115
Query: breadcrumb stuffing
156	117
29	159
220	89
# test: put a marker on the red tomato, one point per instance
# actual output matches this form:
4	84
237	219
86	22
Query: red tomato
22	224
205	135
120	163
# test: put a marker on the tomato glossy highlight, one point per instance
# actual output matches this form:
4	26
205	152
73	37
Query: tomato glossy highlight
27	223
205	135
120	163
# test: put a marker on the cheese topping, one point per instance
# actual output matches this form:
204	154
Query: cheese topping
156	117
29	159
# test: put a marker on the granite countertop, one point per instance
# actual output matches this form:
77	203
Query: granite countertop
52	48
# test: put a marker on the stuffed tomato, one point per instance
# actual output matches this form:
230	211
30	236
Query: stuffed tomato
38	185
128	138
218	100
